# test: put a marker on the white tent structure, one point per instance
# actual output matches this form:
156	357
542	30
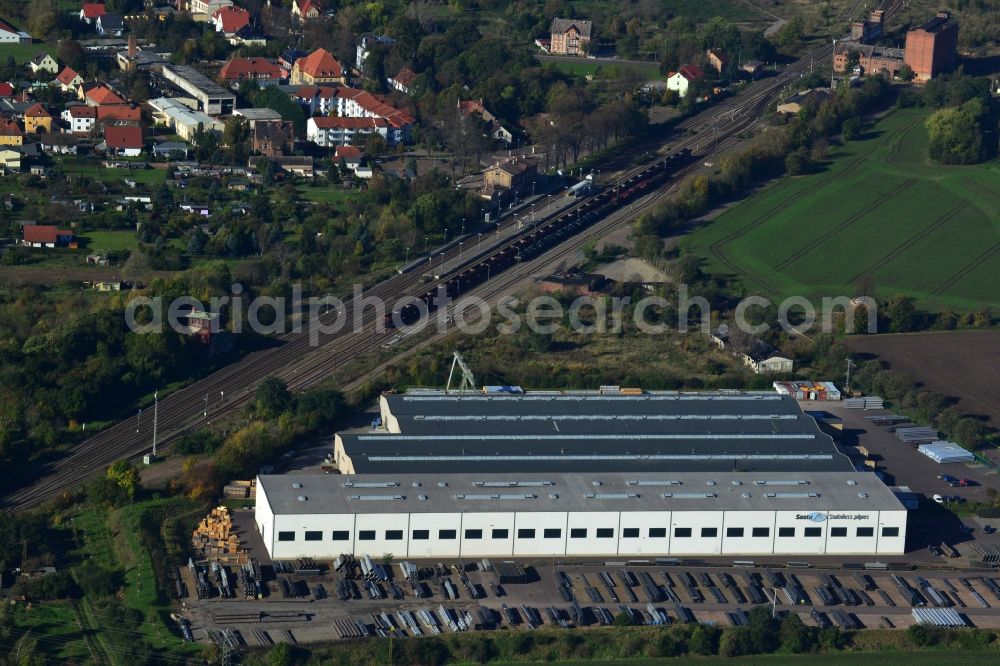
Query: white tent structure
945	452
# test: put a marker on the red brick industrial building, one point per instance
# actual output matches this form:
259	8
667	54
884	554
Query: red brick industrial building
931	48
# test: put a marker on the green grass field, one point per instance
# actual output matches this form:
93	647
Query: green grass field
24	52
329	194
111	240
881	215
92	168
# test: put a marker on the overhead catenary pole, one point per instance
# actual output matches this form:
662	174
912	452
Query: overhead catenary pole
156	413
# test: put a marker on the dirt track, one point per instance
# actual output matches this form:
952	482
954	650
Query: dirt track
959	364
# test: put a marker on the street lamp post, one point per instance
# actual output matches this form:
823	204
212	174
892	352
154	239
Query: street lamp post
406	256
479	241
460	243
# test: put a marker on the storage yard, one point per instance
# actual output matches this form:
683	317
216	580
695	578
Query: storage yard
511	510
299	603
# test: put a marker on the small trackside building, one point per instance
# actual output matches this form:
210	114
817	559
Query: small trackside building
578	515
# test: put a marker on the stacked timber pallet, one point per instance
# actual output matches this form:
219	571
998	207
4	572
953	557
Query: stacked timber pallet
240	489
214	537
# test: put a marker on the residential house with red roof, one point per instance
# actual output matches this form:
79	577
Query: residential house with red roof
123	141
354	103
11	35
402	80
123	115
718	59
261	70
229	20
91	11
80	118
319	100
682	79
99	95
350	157
10	133
7	89
46	235
332	131
304	10
318	67
494	129
37	119
68	79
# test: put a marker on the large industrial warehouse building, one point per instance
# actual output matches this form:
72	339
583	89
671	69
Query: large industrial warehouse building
583	474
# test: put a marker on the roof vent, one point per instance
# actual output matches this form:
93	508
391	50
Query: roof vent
422	497
596	483
296	485
442	484
863	495
710	483
852	482
737	483
553	496
416	484
746	495
302	498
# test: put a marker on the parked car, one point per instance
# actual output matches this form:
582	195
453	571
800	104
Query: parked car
949	479
966	483
989	529
937	498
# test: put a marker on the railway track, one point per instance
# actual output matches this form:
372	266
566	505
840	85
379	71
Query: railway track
302	365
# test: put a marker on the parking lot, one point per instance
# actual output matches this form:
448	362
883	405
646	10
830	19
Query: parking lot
903	465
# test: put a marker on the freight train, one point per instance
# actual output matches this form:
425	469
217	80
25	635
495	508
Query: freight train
542	237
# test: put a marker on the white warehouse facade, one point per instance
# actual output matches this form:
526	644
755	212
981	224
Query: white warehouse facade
579	515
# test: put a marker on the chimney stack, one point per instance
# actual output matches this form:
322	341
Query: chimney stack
131	46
